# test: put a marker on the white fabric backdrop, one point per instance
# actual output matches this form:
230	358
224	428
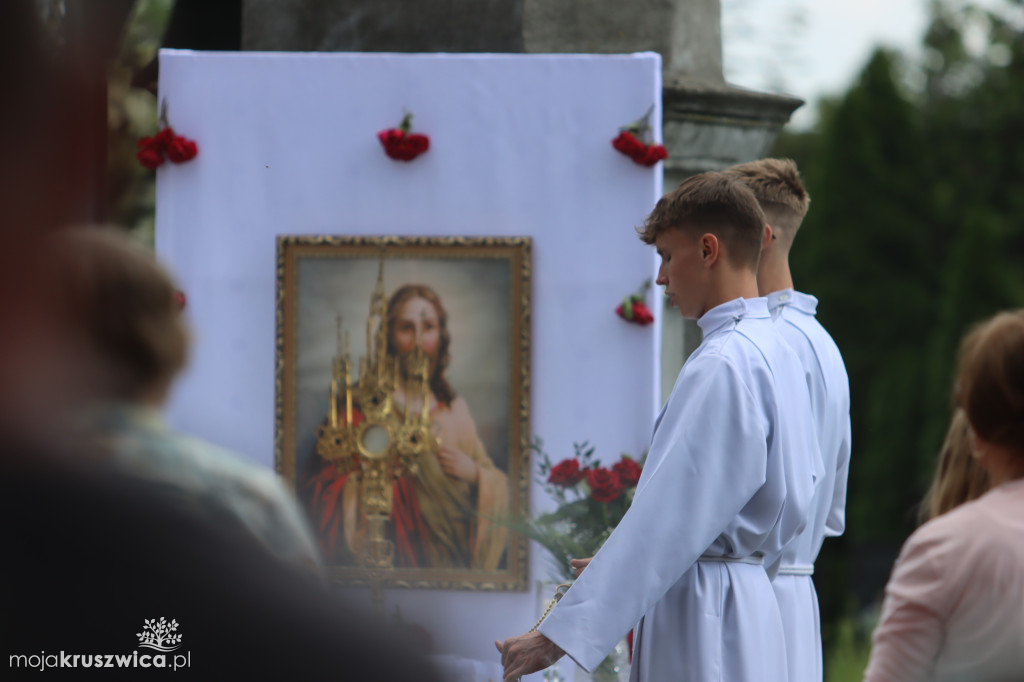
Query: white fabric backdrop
520	146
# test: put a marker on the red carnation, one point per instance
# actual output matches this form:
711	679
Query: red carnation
418	143
605	485
651	155
390	137
153	151
566	473
630	141
628	471
402	145
636	312
164	137
634	309
181	149
149	156
628	144
641	315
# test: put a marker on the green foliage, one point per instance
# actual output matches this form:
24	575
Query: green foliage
131	114
846	661
868	252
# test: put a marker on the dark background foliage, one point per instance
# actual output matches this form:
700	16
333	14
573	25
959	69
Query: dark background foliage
913	235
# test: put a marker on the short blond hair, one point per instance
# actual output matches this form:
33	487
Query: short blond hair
776	184
717	203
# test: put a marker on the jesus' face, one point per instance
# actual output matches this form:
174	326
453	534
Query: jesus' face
418	324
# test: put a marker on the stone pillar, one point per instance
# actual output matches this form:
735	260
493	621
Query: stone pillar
383	26
709	125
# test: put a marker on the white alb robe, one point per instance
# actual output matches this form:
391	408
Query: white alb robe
794	315
728	475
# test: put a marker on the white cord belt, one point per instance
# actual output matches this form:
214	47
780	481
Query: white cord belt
797	569
753	560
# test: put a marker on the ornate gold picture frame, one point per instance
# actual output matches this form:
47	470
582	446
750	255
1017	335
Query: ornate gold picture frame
402	404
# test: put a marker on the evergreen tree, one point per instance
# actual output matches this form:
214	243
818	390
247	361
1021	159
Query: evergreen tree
867	252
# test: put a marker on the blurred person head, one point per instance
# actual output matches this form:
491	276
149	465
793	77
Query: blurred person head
416	316
990	390
121	311
958	477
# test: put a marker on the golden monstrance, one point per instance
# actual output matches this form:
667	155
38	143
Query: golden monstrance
383	445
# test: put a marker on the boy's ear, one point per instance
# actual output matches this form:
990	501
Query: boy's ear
710	249
767	237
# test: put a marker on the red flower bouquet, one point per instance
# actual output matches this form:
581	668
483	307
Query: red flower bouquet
402	145
634	307
631	142
591	501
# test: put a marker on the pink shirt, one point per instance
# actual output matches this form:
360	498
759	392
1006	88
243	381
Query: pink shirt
954	605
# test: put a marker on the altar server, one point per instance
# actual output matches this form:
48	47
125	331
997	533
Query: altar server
777	186
729	477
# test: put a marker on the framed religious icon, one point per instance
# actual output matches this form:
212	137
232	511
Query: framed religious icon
402	421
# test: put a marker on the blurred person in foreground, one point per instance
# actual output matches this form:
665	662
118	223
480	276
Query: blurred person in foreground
125	320
776	184
90	554
954	605
958	476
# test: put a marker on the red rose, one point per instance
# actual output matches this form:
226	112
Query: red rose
628	471
181	149
641	315
605	485
179	299
566	473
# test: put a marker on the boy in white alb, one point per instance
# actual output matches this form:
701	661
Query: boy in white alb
776	184
728	480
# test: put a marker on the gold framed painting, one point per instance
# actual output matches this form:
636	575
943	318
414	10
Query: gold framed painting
402	404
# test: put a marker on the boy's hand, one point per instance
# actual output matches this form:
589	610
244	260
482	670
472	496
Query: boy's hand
579	564
527	654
